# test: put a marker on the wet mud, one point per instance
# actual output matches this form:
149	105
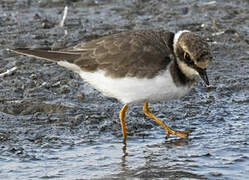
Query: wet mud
53	125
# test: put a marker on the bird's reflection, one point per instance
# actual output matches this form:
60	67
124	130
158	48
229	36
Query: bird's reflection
124	148
176	142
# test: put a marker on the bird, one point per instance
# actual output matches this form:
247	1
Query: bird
137	67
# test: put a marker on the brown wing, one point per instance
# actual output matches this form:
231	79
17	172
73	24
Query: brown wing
49	54
134	54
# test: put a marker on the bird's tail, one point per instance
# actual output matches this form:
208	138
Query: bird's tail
49	55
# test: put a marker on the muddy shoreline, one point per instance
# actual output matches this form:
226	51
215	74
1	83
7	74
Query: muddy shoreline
54	125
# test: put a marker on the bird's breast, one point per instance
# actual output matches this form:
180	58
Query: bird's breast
132	89
135	90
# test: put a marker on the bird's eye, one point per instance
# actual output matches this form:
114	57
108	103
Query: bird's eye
187	57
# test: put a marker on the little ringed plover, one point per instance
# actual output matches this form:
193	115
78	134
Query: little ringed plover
140	66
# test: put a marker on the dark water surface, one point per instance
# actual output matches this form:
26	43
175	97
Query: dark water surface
55	126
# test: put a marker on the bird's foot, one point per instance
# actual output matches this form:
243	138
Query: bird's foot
181	134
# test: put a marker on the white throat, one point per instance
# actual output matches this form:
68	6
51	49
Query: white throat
188	71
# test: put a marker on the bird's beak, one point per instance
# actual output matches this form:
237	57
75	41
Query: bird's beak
203	75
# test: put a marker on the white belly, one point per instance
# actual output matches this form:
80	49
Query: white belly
132	89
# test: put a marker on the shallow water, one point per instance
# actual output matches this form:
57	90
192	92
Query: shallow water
55	126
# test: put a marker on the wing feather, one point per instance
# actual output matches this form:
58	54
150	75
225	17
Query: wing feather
141	53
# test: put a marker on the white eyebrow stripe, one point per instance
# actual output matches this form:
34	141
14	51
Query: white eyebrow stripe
177	36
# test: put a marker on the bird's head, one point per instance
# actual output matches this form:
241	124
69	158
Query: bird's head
192	55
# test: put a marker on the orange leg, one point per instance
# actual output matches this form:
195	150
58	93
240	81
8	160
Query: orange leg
147	112
122	120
